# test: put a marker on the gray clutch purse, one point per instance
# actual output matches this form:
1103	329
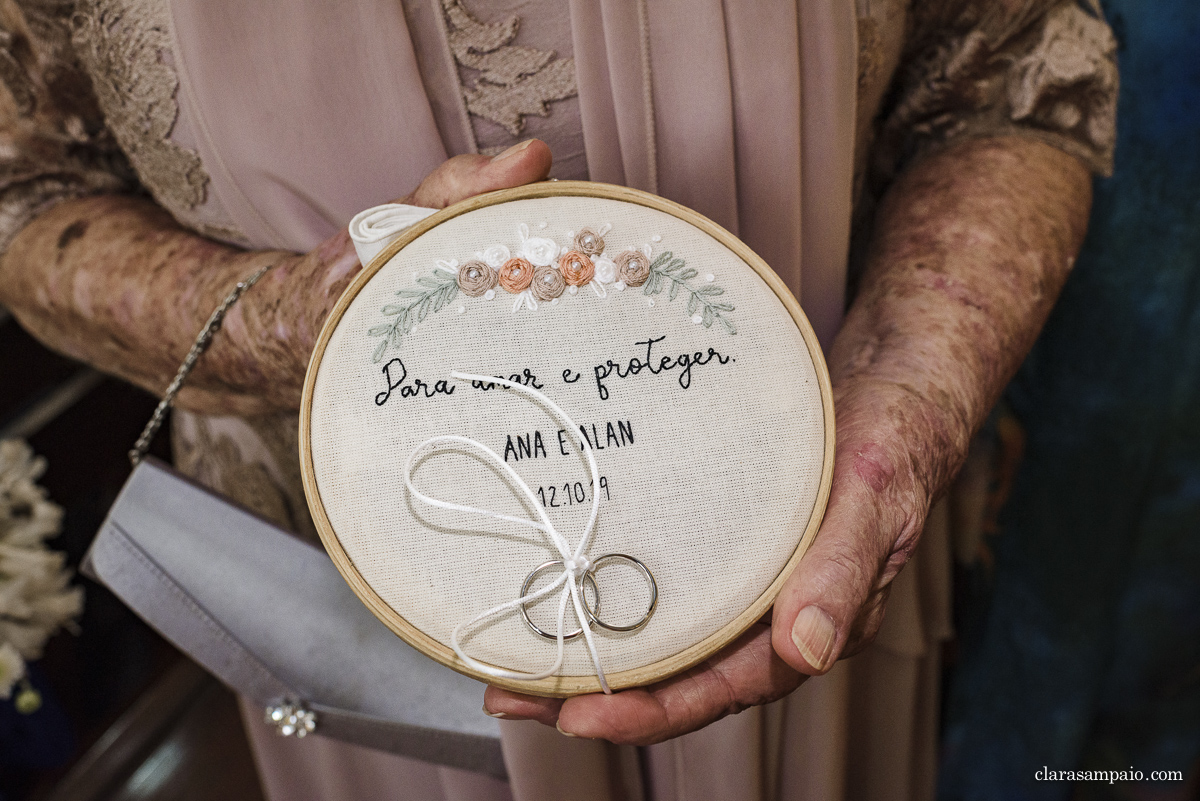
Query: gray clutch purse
270	616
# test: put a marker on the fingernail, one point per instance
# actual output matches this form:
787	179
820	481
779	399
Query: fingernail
814	634
512	151
499	715
558	726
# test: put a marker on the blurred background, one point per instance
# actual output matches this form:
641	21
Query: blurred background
118	712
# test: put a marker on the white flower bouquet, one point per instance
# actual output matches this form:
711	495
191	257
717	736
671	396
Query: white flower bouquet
36	597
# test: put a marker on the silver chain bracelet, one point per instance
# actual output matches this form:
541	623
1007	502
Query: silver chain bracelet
198	347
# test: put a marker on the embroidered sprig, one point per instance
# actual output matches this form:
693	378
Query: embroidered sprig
438	290
702	304
541	270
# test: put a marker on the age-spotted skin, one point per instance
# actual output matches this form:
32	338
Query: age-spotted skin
115	282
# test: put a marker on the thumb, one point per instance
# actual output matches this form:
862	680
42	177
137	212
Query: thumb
466	176
834	600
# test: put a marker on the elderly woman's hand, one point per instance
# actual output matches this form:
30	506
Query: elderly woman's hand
115	282
971	248
295	297
830	606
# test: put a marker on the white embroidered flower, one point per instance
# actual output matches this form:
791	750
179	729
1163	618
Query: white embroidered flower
606	270
538	250
12	668
494	256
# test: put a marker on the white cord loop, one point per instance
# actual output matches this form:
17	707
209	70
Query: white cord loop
576	566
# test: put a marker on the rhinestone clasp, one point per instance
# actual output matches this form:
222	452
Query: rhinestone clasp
292	720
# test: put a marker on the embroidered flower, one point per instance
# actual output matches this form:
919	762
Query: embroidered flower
589	242
475	278
576	268
606	270
633	267
516	274
537	250
548	283
495	256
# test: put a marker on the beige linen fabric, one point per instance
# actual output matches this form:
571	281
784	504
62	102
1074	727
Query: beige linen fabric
712	486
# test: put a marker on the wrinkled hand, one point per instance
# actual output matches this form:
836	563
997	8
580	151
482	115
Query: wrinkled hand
970	249
830	606
466	176
323	275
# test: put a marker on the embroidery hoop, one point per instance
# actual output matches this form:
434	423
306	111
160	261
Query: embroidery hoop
559	685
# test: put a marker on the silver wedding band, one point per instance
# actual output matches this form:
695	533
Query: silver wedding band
537	571
592	612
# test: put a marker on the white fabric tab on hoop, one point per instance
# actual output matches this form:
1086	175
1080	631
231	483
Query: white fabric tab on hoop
375	228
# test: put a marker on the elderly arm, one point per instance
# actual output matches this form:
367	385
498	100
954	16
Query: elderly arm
972	246
115	282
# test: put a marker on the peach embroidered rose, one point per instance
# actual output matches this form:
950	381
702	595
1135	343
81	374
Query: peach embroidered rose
548	283
516	275
633	267
577	269
476	278
589	243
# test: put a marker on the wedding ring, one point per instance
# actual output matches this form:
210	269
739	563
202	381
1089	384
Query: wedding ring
587	577
593	614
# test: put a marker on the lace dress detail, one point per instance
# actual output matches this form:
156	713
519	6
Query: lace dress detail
1040	68
502	82
129	42
514	81
53	141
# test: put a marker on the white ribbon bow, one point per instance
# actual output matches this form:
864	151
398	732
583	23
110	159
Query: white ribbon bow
575	564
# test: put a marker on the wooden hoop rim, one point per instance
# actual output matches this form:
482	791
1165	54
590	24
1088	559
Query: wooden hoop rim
565	686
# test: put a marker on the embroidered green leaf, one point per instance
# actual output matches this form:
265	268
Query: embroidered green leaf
666	267
439	289
653	284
